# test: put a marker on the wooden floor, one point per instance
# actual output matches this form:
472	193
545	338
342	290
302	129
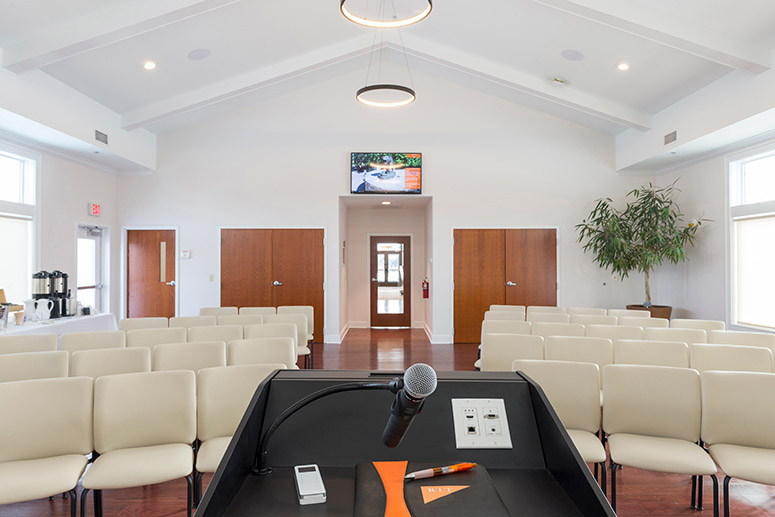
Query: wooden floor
640	493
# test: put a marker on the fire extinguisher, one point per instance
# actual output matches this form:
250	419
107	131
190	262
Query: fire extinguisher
425	286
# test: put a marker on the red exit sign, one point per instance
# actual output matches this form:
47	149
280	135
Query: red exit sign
94	209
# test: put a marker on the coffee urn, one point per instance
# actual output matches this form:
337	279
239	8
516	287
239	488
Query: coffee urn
41	285
59	294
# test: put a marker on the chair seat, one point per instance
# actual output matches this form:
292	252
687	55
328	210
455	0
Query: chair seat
310	337
302	350
478	363
34	479
209	454
588	445
747	463
124	468
660	454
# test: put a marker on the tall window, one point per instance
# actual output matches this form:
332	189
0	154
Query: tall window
752	200
17	215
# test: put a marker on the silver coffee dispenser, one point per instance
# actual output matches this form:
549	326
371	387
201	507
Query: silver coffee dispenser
41	285
59	294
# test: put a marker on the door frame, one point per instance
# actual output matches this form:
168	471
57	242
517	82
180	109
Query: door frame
492	227
123	273
407	285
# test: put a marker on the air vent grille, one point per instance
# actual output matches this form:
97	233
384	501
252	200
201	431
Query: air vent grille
671	137
101	137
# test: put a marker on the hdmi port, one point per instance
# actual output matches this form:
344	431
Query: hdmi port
491	416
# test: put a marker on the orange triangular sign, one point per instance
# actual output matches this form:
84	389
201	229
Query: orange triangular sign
431	493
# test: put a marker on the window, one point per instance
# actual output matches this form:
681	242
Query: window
752	238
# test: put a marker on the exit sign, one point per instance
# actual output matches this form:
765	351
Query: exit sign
94	209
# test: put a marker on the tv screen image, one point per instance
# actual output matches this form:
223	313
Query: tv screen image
386	173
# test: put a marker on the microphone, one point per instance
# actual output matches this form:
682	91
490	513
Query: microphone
419	382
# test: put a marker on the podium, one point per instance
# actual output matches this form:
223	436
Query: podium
542	474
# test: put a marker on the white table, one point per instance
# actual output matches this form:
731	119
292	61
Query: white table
66	325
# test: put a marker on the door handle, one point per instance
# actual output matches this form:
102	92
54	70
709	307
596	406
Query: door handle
374	280
172	282
510	283
276	283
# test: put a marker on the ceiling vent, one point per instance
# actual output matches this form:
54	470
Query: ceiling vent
101	137
671	137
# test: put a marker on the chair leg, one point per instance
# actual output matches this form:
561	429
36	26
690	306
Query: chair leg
602	476
726	495
715	494
197	488
98	503
613	485
189	495
73	506
311	355
595	472
693	506
699	493
84	493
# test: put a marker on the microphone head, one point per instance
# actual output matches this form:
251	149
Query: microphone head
419	381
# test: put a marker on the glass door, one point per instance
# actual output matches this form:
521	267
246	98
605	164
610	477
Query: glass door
89	267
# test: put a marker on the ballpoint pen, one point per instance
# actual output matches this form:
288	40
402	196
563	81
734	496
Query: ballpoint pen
438	471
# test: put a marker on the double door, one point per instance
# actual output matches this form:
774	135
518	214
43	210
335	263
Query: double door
273	267
501	266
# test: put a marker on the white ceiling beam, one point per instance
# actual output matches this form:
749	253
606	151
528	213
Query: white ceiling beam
73	37
672	32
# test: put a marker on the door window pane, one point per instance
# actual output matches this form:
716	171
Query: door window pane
755	275
87	262
390	274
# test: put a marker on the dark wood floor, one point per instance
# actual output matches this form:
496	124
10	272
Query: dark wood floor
640	493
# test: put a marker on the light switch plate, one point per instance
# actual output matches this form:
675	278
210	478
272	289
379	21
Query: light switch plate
480	424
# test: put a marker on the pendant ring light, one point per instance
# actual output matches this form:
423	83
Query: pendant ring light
405	95
385	24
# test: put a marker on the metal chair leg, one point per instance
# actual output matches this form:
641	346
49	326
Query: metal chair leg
98	503
613	485
189	495
198	488
715	494
727	479
699	493
84	493
73	506
595	472
603	477
693	506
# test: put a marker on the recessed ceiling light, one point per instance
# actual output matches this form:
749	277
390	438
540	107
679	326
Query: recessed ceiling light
199	53
386	202
623	67
149	65
572	55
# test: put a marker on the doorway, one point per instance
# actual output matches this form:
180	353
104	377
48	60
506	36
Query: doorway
391	295
150	273
88	260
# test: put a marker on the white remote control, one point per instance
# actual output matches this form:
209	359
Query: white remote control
309	484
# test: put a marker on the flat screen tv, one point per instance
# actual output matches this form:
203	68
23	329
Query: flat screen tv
386	173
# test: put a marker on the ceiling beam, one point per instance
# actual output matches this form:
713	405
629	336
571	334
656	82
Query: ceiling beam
99	29
672	32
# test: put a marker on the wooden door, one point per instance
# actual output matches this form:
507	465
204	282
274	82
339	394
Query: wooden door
246	268
531	264
391	284
479	270
150	273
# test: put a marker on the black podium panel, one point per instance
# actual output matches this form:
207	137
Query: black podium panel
541	475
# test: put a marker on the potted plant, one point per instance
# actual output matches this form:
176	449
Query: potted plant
647	232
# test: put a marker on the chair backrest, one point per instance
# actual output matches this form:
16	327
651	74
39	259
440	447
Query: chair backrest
593	319
75	341
258	310
500	350
585	311
545	329
505	327
152	337
652	400
706	325
629	313
504	315
218	311
614	331
307	310
28	343
33	365
544	308
223	394
515	308
110	361
189	356
598	350
144	409
547	317
223	333
300	320
734	358
127	324
651	352
738	409
43	418
193	321
728	337
272	330
687	336
637	321
572	388
241	319
276	350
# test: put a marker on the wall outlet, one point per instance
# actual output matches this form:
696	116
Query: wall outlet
480	424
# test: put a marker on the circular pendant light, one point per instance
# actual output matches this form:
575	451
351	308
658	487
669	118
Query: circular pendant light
386	24
385	95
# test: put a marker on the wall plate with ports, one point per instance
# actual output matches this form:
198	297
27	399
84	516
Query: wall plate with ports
480	424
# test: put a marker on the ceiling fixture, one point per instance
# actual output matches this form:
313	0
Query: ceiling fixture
199	53
572	55
386	202
623	67
559	82
149	65
382	22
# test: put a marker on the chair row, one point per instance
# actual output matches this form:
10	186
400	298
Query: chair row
659	418
141	429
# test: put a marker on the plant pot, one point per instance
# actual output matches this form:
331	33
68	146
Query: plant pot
657	311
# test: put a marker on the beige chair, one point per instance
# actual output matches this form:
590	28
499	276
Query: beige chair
544	308
273	330
651	352
584	311
144	428
547	317
152	337
505	327
738	418
687	336
300	320
592	319
734	358
258	310
574	392
218	311
223	395
223	333
193	321
28	343
636	321
728	337
275	350
500	350
706	325
189	356
504	315
46	434
597	350
309	312
545	329
614	332
241	319
33	365
515	308
127	324
76	341
629	313
652	417
110	361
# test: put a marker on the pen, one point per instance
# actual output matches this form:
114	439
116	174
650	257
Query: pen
438	471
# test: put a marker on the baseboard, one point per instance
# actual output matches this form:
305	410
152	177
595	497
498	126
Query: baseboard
441	339
428	332
358	325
